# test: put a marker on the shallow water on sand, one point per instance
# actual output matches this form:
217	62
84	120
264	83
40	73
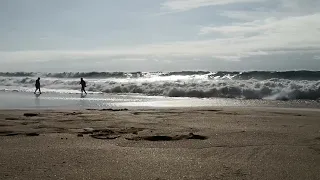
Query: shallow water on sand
18	100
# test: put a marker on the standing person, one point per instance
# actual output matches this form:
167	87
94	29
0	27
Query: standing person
37	86
83	86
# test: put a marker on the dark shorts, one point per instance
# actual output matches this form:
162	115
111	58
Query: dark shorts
37	87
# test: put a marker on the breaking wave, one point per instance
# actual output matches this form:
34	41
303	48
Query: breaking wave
287	85
259	75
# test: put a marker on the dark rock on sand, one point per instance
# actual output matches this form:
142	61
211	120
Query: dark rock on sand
11	118
30	114
12	134
73	113
125	109
194	136
168	138
104	136
32	134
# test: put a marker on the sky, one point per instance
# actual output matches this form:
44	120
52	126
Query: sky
159	35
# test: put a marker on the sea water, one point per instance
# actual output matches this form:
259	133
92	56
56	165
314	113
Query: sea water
162	89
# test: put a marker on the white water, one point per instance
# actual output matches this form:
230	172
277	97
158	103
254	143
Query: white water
175	86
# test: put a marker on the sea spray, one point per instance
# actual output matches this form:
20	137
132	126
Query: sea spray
285	85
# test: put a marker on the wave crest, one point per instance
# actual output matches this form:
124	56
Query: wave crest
200	84
259	75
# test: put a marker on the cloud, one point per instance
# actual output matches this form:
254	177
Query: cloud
300	6
282	28
240	56
239	46
276	8
309	24
241	40
245	15
185	5
273	34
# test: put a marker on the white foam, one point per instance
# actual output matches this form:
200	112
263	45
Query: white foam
175	86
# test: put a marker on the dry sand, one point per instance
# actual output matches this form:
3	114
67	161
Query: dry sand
221	143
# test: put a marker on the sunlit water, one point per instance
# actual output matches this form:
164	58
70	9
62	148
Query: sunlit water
289	85
19	100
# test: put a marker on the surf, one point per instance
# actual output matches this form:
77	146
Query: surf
270	85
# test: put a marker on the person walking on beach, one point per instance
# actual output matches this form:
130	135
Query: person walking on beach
37	86
83	86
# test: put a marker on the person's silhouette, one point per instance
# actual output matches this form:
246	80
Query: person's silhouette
83	86
37	86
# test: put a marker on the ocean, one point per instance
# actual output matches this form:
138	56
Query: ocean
163	89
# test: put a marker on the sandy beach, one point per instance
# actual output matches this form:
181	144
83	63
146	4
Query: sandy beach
160	90
182	143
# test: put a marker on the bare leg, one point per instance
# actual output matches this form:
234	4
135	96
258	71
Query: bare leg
83	90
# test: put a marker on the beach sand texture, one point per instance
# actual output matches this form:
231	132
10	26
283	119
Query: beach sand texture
191	143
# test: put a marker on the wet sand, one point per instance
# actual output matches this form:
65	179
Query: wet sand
190	143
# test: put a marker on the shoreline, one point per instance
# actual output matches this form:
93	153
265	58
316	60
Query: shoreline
160	143
145	108
17	100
